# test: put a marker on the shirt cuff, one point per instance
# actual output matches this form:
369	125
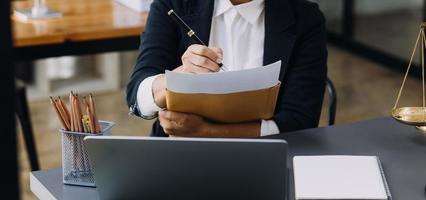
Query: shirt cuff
268	127
146	104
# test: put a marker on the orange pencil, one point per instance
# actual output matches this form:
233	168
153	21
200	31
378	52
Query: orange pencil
63	109
74	115
67	112
79	113
78	127
57	113
72	111
95	116
62	113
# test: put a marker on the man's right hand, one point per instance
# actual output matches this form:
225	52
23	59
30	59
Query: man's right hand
200	59
196	59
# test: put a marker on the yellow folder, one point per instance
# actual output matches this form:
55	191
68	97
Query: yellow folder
227	108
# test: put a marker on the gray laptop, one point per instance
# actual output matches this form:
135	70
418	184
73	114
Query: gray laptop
183	168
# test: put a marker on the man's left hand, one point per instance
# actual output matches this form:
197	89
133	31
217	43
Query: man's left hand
183	124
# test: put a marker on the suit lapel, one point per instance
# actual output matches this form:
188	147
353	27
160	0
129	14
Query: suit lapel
206	10
279	41
199	18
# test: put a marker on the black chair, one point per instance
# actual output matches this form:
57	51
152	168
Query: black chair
331	90
22	111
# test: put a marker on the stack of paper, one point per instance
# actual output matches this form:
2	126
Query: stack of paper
339	177
231	96
137	5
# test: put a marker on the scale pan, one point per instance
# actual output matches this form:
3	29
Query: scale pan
415	116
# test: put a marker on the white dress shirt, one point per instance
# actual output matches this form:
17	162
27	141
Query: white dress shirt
240	31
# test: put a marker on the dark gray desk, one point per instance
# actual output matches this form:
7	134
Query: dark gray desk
401	149
47	184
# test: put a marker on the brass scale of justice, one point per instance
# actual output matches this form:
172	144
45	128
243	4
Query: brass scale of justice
414	116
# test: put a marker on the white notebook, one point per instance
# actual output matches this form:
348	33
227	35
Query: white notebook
339	177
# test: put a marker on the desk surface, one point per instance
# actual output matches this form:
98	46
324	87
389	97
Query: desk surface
47	184
82	21
401	149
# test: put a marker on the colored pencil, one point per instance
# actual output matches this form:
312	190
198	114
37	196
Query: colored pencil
57	113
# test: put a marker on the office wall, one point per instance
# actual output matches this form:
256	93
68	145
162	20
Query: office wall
332	8
127	62
375	6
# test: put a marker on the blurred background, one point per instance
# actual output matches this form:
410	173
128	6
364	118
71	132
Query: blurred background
370	43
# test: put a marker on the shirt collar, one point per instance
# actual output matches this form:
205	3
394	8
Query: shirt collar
249	11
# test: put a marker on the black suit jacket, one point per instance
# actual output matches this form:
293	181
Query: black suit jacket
294	33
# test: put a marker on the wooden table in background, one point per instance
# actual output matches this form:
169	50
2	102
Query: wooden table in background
87	27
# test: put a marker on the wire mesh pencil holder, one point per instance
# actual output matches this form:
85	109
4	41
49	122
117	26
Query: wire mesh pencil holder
76	169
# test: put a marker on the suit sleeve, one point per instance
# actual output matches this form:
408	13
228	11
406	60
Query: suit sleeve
301	96
157	51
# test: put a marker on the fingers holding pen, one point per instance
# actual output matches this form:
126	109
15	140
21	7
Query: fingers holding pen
199	56
219	52
212	53
192	68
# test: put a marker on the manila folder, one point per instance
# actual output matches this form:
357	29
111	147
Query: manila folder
227	97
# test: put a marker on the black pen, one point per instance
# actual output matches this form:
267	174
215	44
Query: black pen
188	30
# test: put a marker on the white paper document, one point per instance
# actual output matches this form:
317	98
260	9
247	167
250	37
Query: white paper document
224	82
339	177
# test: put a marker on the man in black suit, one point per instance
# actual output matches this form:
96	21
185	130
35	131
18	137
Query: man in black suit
241	33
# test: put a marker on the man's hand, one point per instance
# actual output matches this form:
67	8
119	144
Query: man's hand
182	124
159	90
196	59
190	125
201	59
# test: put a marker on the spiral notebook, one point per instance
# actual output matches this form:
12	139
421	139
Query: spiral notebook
339	177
